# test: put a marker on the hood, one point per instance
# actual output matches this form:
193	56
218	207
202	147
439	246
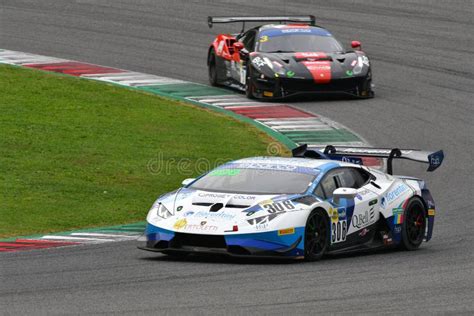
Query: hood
203	212
321	67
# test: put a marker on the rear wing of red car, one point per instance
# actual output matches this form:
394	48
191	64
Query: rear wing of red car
344	153
307	19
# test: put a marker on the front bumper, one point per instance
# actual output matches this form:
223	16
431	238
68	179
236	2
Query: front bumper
286	87
266	244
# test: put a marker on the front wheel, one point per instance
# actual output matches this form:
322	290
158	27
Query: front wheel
212	68
249	85
414	224
316	241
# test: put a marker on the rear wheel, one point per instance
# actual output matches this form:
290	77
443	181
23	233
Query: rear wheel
414	224
212	68
316	235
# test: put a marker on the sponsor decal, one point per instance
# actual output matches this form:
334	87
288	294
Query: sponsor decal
363	219
354	62
243	197
364	232
201	227
290	74
286	231
338	231
224	172
431	212
383	202
310	55
180	224
258	62
179	208
435	161
365	60
387	240
218	215
279	206
213	195
190	213
373	202
349	73
333	214
397	215
296	30
397	229
263	39
261	226
395	193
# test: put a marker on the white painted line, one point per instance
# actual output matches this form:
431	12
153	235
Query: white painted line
76	238
235	103
210	99
124	74
323	145
105	235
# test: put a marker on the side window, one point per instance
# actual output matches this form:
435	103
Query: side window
361	177
353	178
319	192
249	40
329	184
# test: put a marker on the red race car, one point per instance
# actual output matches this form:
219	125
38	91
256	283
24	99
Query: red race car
281	60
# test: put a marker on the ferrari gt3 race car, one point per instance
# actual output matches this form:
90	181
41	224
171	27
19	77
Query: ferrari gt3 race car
280	60
314	203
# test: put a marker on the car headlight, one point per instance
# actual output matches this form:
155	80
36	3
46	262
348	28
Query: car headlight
158	209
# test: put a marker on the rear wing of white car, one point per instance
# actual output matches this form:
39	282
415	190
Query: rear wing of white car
350	154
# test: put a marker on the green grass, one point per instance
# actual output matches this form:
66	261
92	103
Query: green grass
76	153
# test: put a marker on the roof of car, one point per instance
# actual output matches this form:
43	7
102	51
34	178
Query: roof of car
289	161
295	28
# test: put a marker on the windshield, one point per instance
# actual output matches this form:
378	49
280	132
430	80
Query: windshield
297	40
255	181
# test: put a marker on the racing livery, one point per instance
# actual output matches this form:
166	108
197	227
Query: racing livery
305	206
275	61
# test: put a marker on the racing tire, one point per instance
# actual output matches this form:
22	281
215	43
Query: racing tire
212	69
316	242
249	85
414	225
365	89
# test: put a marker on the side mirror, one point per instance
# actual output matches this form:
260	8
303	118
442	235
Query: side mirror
343	193
356	45
238	46
241	50
187	182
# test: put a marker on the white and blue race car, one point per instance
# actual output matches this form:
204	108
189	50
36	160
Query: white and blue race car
312	204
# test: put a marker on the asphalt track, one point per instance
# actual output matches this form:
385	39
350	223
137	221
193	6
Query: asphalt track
422	56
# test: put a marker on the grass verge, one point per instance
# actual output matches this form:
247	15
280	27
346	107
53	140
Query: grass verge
75	153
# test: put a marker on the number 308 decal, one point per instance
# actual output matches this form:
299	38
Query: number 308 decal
279	206
338	231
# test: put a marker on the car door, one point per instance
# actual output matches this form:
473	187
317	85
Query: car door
350	219
365	211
